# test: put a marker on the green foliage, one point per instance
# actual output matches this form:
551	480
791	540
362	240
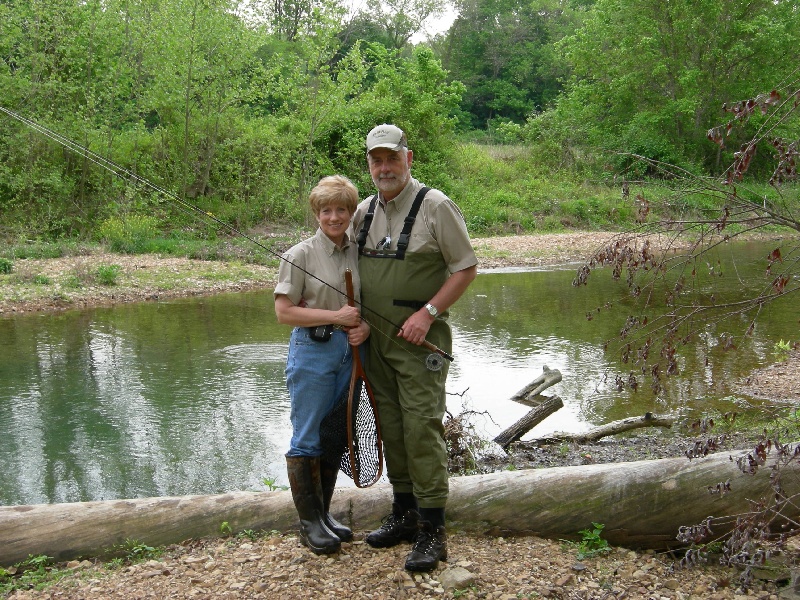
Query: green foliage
592	544
129	234
246	120
33	573
73	281
108	274
136	551
249	534
6	266
502	51
41	280
644	94
269	483
781	349
504	189
225	528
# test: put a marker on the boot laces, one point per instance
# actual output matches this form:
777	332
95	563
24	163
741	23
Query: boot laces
391	522
425	541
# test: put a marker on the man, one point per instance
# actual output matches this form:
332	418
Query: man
415	261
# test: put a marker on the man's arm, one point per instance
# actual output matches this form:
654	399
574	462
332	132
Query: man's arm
417	325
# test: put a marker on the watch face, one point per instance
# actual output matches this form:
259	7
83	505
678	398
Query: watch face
432	309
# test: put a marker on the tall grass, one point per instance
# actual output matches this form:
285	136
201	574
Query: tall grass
507	190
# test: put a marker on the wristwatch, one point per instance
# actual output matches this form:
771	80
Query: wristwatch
432	310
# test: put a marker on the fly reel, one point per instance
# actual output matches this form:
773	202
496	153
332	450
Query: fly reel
434	362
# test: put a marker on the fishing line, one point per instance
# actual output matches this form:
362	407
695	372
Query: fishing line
189	208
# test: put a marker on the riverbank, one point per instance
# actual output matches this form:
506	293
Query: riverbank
74	282
270	565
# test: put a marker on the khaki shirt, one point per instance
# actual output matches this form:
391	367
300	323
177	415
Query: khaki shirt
315	258
439	226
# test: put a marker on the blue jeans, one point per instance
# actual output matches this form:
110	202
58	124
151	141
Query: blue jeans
317	374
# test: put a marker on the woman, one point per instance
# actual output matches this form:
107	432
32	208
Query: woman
311	296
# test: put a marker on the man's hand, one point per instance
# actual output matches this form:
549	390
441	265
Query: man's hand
416	327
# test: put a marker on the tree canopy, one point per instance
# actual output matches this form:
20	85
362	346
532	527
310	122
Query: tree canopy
241	106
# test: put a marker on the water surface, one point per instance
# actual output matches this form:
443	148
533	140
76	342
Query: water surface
188	396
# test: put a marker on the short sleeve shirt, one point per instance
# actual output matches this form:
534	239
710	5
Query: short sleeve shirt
313	272
439	226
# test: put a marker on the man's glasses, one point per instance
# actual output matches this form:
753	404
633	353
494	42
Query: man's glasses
384	243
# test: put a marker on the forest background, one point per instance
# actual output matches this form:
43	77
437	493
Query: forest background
532	115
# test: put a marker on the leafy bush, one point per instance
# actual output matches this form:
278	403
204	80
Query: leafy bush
128	234
6	266
108	274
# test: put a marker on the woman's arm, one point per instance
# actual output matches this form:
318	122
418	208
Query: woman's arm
289	313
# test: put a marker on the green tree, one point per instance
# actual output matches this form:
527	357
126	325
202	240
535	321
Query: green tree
647	74
502	50
411	92
399	20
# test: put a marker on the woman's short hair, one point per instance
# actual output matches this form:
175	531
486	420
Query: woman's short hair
334	190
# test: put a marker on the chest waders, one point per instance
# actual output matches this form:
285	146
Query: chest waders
410	397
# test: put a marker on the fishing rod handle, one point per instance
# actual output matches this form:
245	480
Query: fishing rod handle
438	350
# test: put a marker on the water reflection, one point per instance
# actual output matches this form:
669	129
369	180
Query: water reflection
188	396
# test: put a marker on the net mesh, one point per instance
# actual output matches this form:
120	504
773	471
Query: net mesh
357	449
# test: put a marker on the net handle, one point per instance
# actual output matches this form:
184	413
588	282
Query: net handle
358	371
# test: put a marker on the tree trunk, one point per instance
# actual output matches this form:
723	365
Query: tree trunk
641	504
546	407
613	428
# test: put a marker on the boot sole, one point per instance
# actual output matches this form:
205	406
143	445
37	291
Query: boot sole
389	544
320	550
424	568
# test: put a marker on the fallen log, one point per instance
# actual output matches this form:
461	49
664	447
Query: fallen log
529	394
613	428
542	406
546	407
642	504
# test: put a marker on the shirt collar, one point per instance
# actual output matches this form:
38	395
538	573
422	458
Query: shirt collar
327	243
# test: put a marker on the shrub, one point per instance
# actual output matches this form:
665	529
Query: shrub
108	274
128	234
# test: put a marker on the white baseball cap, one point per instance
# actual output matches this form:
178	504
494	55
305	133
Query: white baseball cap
386	136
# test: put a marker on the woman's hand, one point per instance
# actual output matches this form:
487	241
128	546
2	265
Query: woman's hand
347	316
359	334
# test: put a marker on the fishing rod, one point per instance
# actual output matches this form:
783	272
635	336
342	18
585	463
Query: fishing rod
432	362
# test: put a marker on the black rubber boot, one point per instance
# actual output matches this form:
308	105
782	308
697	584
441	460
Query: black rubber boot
429	548
399	526
328	475
304	479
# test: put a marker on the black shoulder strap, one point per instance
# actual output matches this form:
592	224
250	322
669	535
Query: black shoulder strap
405	234
361	238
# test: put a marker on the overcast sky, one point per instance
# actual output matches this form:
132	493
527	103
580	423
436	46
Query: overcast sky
435	26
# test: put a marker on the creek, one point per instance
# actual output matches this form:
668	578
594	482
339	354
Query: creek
188	396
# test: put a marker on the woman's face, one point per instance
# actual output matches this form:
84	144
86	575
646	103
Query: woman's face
334	220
